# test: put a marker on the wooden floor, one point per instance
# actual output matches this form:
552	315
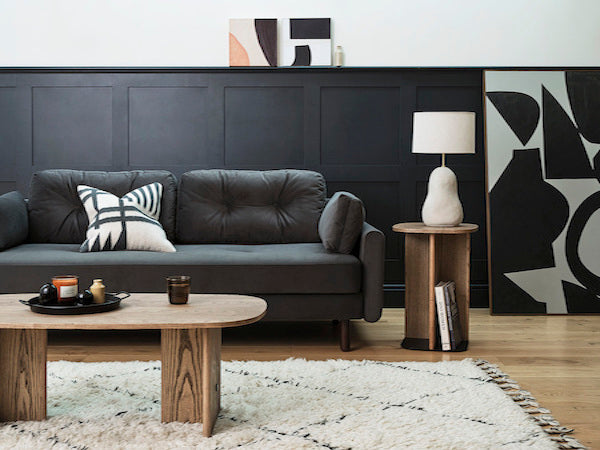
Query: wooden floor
557	358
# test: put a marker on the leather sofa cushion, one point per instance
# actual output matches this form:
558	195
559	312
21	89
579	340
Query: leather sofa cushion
215	268
249	207
56	214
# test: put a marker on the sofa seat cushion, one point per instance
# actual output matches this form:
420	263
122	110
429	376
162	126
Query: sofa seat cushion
305	268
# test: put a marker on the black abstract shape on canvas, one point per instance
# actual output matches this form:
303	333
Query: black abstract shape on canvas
597	165
564	153
310	28
580	218
266	32
583	88
302	56
580	300
520	111
513	298
521	196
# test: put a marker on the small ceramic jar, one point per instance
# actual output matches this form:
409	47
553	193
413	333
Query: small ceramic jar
97	289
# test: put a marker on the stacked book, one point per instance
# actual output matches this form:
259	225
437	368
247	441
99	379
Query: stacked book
448	315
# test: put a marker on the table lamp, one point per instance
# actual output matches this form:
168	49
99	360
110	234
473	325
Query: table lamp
443	133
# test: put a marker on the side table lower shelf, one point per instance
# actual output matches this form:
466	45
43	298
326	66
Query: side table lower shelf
423	344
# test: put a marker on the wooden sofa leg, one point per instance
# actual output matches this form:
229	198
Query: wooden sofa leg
345	335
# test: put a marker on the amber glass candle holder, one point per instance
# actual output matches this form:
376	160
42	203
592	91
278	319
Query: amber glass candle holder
67	287
178	288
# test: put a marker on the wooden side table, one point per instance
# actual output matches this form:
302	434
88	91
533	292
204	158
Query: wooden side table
434	254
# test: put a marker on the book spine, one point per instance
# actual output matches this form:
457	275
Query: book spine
455	316
448	306
442	317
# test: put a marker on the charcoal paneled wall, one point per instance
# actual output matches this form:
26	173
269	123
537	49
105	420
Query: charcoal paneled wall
352	125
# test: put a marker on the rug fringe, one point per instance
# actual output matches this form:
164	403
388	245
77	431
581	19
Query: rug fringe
527	401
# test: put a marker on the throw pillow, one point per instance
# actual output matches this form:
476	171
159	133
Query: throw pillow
341	222
126	223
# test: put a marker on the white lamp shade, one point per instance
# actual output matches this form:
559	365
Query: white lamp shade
444	132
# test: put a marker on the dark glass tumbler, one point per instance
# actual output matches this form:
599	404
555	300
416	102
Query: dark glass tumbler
178	288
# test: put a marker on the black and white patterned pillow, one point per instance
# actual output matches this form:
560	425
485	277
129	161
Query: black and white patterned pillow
126	223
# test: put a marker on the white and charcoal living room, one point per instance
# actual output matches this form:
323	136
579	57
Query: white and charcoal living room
323	224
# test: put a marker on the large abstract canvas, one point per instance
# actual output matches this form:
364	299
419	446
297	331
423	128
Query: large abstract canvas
306	42
253	42
543	162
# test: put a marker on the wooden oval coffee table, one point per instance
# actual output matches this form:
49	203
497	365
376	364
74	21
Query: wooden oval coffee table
190	350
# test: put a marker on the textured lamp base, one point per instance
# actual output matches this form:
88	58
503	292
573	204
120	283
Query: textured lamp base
442	207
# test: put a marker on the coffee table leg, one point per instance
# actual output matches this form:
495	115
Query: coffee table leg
211	378
191	376
23	374
181	396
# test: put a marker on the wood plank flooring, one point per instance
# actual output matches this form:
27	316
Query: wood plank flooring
557	358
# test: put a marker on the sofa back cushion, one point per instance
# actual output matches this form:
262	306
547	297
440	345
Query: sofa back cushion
13	220
56	214
249	207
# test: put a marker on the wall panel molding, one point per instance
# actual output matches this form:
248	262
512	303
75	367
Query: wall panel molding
8	133
264	126
354	135
71	125
167	126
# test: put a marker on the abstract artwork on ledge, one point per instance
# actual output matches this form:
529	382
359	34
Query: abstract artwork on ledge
253	42
306	42
543	163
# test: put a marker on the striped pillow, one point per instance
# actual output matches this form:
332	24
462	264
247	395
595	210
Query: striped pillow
147	199
126	223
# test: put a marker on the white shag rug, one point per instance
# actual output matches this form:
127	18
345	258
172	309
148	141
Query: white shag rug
292	404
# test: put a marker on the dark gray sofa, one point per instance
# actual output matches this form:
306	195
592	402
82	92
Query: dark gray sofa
244	232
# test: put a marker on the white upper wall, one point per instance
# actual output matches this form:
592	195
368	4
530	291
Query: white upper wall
373	33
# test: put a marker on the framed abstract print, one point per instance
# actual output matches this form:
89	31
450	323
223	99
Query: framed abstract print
543	185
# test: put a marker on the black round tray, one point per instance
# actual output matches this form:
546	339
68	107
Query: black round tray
111	301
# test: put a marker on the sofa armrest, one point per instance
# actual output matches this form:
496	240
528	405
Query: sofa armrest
371	253
14	223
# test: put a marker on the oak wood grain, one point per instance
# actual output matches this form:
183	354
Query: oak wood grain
417	286
454	264
142	311
211	378
431	282
22	374
420	227
181	387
